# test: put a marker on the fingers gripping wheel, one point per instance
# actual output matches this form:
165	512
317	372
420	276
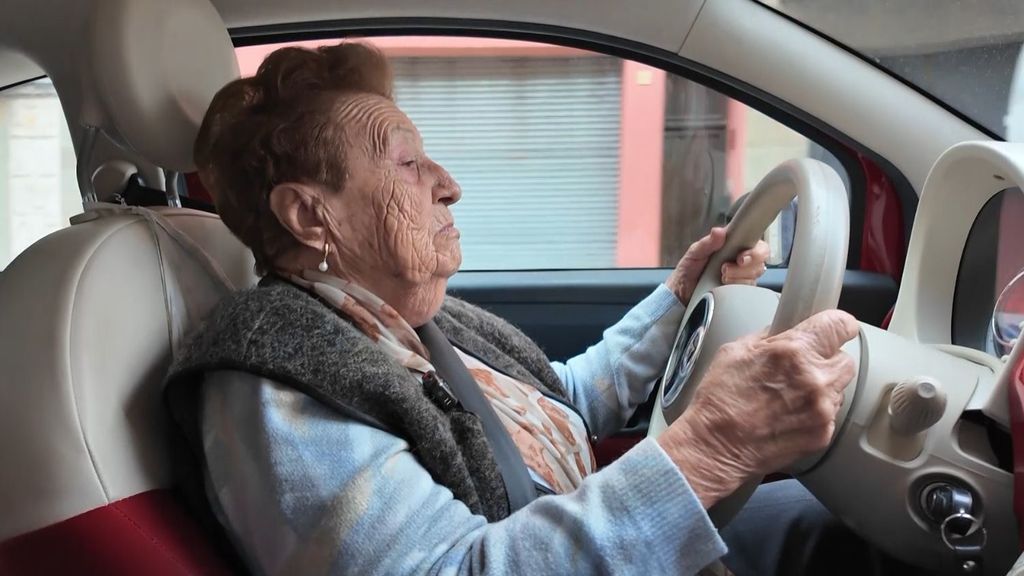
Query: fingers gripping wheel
717	315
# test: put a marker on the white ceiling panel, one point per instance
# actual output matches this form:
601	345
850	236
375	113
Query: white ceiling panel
662	24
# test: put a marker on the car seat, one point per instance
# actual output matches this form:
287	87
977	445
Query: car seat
91	315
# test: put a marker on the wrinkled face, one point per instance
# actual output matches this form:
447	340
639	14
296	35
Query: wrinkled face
392	218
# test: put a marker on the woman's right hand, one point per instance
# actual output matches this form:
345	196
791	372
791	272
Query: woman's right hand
764	402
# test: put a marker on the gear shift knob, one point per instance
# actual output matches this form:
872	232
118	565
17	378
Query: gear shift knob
916	405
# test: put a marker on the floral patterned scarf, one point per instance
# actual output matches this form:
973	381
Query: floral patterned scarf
551	438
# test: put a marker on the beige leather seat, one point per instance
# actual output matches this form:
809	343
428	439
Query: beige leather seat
90	317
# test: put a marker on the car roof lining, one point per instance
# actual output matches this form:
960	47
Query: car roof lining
16	68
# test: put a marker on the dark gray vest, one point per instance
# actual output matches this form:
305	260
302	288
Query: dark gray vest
282	332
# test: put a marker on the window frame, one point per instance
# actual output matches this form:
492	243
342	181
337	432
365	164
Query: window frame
844	148
5	199
20	82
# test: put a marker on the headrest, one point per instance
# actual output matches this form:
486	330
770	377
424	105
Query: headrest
158	65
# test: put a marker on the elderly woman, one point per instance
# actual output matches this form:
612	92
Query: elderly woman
328	441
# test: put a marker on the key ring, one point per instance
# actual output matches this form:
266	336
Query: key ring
949	538
967	553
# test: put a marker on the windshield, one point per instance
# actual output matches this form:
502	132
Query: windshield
966	53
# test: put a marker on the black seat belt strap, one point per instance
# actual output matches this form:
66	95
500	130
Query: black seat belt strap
518	483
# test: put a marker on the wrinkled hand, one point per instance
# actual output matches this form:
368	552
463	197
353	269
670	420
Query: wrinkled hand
747	268
763	403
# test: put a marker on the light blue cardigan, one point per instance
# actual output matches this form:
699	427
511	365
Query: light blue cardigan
304	490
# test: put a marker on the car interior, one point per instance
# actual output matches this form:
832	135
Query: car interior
904	211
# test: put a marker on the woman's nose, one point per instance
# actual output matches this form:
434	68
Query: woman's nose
446	189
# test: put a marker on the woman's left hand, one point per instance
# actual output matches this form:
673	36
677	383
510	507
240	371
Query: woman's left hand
748	267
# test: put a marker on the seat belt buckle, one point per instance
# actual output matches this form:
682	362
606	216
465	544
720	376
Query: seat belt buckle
440	394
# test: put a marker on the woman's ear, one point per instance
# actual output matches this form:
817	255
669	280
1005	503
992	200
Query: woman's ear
298	207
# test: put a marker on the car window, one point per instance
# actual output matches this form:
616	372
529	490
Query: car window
38	190
967	55
992	258
574	159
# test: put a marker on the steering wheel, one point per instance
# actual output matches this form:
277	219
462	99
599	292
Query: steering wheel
719	314
918	464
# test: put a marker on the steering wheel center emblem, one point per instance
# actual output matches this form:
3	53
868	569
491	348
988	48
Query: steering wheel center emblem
686	349
692	347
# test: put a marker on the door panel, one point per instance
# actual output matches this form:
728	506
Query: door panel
566	311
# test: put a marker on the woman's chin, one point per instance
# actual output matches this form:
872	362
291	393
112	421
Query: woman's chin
450	260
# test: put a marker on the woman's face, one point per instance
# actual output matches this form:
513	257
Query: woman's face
393	216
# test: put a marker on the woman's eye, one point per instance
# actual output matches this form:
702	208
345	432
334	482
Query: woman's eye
413	164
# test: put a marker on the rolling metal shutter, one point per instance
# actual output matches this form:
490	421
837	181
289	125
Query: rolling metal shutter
534	143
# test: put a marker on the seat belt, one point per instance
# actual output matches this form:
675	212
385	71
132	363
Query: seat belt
518	483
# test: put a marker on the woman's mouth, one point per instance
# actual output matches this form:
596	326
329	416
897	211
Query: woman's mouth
449	229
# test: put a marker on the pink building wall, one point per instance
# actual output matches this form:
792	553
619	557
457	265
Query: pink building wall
640	158
735	145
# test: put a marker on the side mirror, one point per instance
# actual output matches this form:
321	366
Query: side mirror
1008	316
778	235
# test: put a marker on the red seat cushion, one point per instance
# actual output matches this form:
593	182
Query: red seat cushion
196	189
150	533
